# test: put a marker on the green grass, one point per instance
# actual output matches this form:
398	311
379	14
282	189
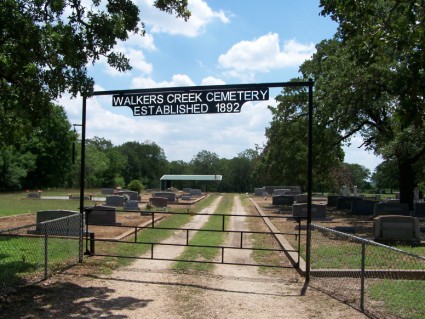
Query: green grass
208	239
23	257
403	298
18	203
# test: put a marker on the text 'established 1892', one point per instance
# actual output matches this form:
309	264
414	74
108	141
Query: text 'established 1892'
190	102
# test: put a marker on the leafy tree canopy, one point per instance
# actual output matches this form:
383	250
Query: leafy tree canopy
46	45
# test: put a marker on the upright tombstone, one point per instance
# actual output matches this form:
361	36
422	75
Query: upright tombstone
260	191
396	228
186	190
170	196
318	211
301	198
419	210
160	202
281	191
131	205
34	195
355	191
195	192
416	195
387	208
101	215
344	202
283	200
58	224
115	200
332	200
362	207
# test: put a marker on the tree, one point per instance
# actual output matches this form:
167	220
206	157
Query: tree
46	45
14	166
145	162
53	155
285	155
386	176
383	78
205	163
359	175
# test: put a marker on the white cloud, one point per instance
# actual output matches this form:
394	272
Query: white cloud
264	54
210	80
147	82
161	22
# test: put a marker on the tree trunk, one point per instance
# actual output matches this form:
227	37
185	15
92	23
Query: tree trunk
407	180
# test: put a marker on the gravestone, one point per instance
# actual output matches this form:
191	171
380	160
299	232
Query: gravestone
34	195
344	202
170	196
396	228
107	191
158	201
58	224
389	208
362	207
115	200
332	199
282	200
186	190
419	209
260	191
185	197
131	194
280	191
131	205
318	211
355	191
301	198
344	191
195	192
101	215
416	194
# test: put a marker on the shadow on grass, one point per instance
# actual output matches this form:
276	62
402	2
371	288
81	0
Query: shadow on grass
67	300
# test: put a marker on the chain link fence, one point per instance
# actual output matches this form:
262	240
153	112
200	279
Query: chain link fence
31	253
382	281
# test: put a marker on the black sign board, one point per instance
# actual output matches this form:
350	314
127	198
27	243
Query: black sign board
198	101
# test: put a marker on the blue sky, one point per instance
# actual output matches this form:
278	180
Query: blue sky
224	42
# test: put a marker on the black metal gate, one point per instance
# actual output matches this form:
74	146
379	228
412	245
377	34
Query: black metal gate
136	236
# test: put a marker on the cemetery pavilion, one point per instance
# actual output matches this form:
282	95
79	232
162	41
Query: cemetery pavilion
166	180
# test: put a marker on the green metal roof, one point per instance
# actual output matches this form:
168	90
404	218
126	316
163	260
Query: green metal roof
191	178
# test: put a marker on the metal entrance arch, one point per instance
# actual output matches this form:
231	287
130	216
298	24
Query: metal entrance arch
201	100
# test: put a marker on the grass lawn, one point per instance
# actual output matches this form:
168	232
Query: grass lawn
18	203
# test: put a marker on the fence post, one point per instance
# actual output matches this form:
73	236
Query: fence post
362	279
46	252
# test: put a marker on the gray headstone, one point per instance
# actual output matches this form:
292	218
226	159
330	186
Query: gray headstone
115	200
260	191
317	211
158	201
419	210
344	202
283	200
185	197
33	195
301	198
332	199
170	196
195	191
131	205
362	207
101	215
396	228
58	226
